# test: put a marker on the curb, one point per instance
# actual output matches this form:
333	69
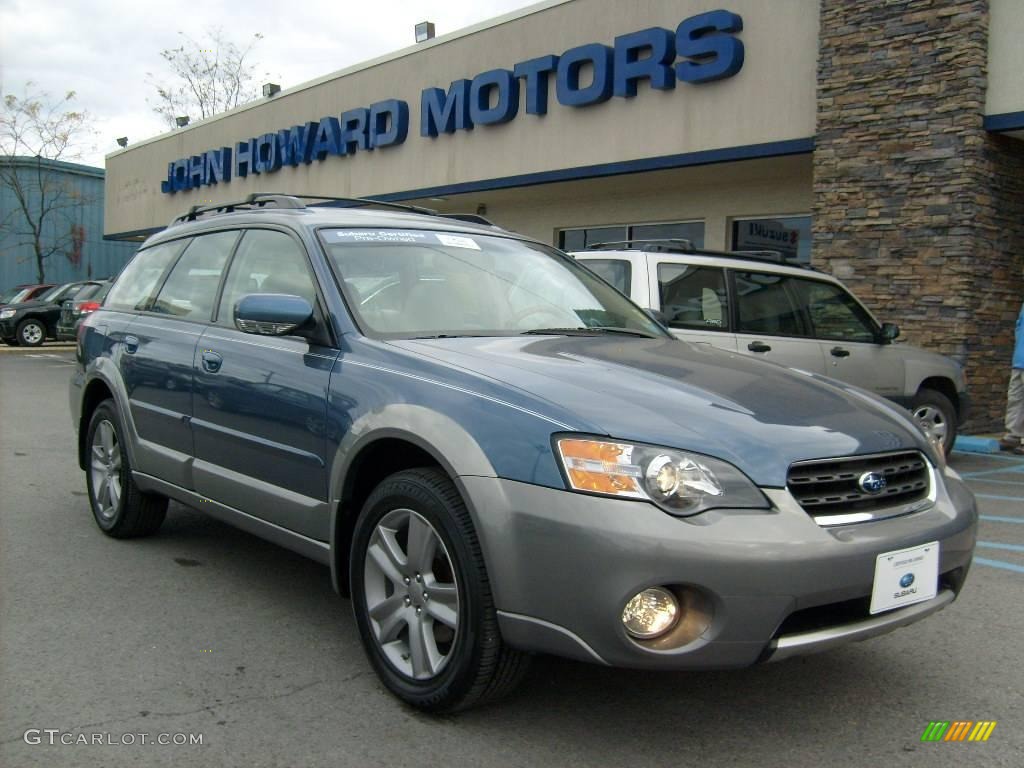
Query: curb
70	346
969	444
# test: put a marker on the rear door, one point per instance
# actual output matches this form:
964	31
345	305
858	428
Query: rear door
694	299
771	323
159	347
260	406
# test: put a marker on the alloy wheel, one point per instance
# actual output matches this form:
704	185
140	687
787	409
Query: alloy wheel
411	593
934	419
105	468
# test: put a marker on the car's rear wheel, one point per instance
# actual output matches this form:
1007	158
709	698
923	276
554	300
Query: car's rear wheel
934	409
31	333
422	599
120	508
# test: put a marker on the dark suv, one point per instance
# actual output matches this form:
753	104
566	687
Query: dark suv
30	323
498	454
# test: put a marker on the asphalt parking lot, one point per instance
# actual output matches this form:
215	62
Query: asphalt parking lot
207	630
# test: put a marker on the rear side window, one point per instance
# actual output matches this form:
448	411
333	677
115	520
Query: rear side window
266	262
134	287
767	304
693	297
191	288
616	271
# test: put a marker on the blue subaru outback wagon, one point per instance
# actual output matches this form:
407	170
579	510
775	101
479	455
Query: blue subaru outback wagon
497	454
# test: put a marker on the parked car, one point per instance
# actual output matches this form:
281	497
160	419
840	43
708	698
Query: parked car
787	313
20	293
498	454
30	323
72	311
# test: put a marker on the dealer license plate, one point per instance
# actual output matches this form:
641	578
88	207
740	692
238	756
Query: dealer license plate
905	577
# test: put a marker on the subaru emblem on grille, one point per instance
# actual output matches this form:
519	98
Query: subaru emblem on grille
871	482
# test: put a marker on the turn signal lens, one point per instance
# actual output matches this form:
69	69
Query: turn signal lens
650	613
601	467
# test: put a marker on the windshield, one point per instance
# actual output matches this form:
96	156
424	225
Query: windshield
415	283
51	294
13	296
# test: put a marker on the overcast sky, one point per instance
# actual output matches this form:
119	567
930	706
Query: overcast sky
103	50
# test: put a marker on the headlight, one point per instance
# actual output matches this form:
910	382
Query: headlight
679	482
7	313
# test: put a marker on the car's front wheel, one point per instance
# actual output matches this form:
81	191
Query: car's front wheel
31	333
934	410
120	508
422	599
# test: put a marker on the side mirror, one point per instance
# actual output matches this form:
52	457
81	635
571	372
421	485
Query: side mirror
272	314
890	331
657	316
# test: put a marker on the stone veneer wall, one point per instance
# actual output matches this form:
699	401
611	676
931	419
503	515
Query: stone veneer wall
917	208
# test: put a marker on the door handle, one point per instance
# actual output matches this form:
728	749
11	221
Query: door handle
758	346
131	344
211	361
840	352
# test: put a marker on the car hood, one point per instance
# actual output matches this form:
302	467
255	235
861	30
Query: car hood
759	416
34	304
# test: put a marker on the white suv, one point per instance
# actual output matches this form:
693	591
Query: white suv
790	314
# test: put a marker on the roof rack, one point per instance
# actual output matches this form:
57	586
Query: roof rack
279	201
261	200
662	245
680	245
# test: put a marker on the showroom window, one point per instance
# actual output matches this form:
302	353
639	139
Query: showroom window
580	239
789	235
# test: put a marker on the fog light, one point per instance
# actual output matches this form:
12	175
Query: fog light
650	613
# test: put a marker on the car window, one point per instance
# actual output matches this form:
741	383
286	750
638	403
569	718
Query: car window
693	297
53	293
266	262
618	272
134	287
766	304
408	283
191	288
834	313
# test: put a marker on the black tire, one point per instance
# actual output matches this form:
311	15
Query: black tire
934	407
31	333
478	667
134	513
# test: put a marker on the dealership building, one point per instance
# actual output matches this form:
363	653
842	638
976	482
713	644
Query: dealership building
879	141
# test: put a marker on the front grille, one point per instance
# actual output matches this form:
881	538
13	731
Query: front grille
832	486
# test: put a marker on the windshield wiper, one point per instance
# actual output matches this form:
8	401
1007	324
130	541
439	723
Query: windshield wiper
592	330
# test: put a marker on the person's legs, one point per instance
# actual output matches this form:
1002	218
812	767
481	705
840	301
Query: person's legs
1014	411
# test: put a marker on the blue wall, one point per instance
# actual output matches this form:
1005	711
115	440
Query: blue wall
98	258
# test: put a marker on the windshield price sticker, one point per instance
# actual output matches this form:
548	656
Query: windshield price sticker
457	241
375	236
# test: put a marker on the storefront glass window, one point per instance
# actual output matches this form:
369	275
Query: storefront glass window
579	239
789	235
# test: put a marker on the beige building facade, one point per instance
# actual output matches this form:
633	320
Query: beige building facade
582	121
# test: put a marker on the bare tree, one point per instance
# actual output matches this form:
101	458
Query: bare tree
212	75
35	129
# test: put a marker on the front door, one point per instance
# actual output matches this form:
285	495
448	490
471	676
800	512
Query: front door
260	409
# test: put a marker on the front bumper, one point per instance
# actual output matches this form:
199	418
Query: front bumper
562	566
8	328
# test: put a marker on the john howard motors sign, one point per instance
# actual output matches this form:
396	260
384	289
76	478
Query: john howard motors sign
702	49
